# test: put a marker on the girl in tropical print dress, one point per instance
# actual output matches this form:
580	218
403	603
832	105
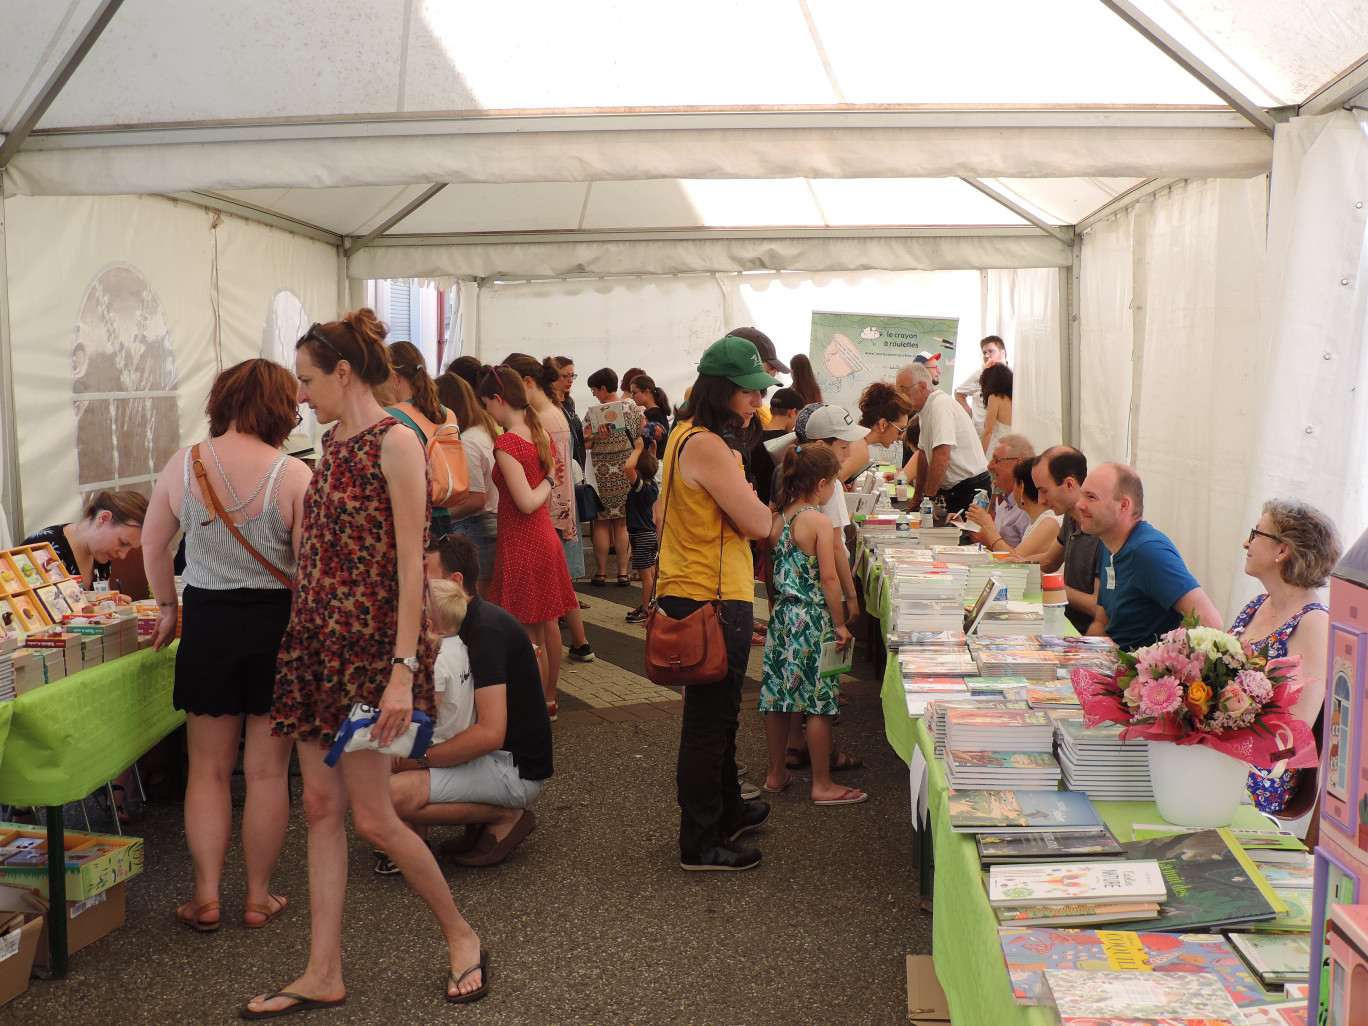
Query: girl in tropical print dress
807	611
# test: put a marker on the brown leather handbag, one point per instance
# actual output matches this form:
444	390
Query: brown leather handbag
690	650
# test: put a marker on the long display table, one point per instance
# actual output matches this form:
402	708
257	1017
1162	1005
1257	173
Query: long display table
60	742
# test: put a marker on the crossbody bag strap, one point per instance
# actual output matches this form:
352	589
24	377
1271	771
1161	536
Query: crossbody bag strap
217	506
664	514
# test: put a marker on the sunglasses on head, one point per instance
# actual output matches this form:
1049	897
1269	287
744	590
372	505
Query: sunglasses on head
321	339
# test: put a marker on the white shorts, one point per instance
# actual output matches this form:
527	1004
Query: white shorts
491	780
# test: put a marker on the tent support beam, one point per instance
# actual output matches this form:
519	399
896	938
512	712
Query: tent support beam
1018	209
57	80
1131	14
1070	349
390	222
1337	93
1126	199
688	234
247	212
11	487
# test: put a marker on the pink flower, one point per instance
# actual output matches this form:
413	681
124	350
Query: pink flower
1134	693
1160	696
1254	684
1234	700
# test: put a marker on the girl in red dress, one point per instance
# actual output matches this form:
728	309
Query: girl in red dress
531	579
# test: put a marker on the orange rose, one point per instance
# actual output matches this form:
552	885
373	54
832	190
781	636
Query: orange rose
1198	697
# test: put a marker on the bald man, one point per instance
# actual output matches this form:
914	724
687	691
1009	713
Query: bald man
1144	588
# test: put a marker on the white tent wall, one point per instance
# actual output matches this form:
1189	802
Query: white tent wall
1312	350
63	324
1185	269
1022	308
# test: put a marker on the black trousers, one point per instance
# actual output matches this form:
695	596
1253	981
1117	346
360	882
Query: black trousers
709	793
958	497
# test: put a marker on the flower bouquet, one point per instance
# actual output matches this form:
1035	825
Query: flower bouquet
1201	686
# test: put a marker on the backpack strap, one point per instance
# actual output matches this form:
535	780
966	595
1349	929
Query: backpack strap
400	415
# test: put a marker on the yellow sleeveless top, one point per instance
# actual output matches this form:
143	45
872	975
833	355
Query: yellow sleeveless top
689	546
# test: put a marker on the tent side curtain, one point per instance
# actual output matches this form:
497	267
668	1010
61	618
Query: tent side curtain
1170	310
289	157
1312	349
813	255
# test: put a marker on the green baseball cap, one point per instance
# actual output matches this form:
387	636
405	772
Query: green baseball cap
737	360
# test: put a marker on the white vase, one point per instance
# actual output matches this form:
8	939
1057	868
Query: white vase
1196	786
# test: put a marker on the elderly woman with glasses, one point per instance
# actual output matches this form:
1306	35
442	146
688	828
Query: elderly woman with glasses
1291	550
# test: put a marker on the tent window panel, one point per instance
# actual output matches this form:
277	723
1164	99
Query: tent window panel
399	324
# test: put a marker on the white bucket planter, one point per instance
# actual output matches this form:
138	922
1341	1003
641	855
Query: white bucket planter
1196	786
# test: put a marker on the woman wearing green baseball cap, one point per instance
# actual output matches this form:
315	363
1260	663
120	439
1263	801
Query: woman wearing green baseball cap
708	517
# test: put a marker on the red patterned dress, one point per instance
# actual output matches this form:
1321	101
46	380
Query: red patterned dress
337	649
530	579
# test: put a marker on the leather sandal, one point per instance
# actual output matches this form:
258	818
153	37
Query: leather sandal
598	580
282	903
194	917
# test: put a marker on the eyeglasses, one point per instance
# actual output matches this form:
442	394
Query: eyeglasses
299	418
318	336
1262	534
1003	459
569	377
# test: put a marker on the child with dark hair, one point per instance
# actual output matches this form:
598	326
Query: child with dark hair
641	468
807	612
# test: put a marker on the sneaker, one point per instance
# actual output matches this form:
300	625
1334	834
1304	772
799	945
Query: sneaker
552	709
749	790
383	865
753	818
637	615
740	769
582	653
724	858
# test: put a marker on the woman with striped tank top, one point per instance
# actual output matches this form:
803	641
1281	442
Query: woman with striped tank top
235	609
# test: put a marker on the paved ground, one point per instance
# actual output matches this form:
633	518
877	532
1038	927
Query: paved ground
591	921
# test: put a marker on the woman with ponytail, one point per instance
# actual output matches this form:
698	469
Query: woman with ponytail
650	398
530	577
356	635
416	404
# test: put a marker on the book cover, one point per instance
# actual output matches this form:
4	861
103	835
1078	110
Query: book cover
975	810
1161	998
1079	914
1283	1013
1211	880
1031	951
1276	957
1045	883
1001	760
1300	902
1041	846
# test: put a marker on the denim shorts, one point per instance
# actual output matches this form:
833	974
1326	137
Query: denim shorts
491	779
483	530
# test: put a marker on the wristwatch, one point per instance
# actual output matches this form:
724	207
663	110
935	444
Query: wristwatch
410	661
422	762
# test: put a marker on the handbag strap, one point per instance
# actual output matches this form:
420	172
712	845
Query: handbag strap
208	490
664	514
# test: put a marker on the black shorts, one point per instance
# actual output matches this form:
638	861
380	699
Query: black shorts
645	548
226	662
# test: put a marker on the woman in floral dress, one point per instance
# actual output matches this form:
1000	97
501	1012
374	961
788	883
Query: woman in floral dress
355	635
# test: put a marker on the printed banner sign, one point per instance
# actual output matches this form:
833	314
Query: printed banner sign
851	350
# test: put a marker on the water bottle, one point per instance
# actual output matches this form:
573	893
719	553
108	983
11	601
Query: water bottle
1055	601
981	500
903	525
900	489
928	512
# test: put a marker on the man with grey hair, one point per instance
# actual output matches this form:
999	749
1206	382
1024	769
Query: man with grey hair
1008	520
954	466
1144	588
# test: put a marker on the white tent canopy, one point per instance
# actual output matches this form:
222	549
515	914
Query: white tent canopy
1052	147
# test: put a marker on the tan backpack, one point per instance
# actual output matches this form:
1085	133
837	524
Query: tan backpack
447	467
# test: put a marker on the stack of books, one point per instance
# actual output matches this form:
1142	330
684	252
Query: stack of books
1042	846
997	687
1096	996
992	748
920	692
1097	762
935	639
937	710
1016	576
976	812
1277	959
1031	663
1067	885
1011	619
968	768
925	661
1087	653
1052	696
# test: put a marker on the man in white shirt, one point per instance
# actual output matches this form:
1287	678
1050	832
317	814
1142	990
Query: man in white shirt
955	467
968	393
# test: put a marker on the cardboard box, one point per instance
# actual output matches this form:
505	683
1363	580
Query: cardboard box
926	1002
108	860
87	921
18	947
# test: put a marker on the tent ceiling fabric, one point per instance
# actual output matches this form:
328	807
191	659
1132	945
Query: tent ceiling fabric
771	115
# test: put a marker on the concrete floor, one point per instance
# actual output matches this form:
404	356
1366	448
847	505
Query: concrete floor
590	921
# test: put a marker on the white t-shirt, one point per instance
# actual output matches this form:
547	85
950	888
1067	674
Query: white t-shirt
836	509
972	390
943	422
452	680
479	450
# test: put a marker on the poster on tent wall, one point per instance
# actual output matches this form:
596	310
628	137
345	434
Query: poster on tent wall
851	350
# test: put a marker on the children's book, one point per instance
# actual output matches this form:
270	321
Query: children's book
1212	882
1189	999
972	811
1276	958
1300	902
1045	883
1048	847
1030	952
1283	1013
1082	914
614	415
833	661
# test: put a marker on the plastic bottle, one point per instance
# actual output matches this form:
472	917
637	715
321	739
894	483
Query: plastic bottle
981	500
928	512
903	525
1054	602
900	489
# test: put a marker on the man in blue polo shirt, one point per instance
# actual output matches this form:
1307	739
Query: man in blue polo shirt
1144	588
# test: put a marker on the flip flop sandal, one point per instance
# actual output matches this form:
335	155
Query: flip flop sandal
782	787
584	605
301	1004
757	639
796	758
282	903
489	852
194	917
478	992
851	796
844	761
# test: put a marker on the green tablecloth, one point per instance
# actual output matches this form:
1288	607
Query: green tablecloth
69	737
